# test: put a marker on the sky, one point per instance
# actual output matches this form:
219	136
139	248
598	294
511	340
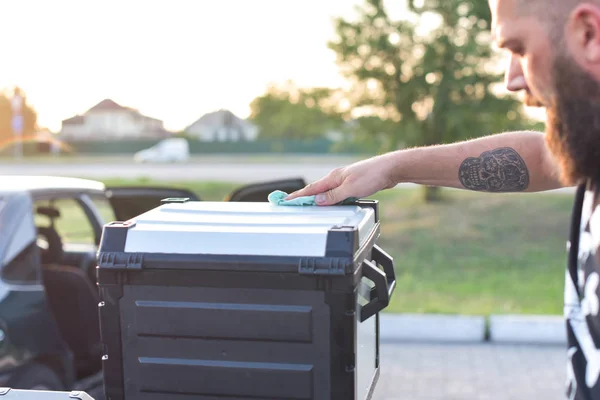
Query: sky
173	60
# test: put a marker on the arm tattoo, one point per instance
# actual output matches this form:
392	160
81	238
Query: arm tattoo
498	170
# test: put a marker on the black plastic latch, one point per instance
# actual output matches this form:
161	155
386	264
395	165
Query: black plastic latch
120	261
342	241
114	235
175	200
323	266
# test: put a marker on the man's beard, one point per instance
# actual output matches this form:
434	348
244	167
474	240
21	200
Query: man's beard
532	101
573	122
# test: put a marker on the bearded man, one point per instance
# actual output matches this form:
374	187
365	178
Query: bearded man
554	50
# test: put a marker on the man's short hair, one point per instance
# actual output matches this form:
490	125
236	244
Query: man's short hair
553	13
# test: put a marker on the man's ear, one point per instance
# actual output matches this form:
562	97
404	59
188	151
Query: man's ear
583	33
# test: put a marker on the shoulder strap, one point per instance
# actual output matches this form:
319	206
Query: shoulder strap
574	235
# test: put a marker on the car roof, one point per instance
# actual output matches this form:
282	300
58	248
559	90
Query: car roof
41	183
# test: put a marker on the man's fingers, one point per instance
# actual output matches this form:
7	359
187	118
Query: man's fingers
312	189
331	197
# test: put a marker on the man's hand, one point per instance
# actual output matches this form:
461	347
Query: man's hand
360	179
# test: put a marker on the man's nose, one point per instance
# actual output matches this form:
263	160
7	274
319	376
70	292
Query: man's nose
515	79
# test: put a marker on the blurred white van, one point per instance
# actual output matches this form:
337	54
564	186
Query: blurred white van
167	150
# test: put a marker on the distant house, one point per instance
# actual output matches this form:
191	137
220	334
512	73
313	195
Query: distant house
48	143
222	126
108	120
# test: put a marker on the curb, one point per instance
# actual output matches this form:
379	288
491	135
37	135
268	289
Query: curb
500	329
431	327
530	329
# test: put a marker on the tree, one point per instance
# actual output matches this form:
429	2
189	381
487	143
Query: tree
368	135
292	113
29	117
438	86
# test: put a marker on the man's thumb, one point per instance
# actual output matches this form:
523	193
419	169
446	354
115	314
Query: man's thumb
328	198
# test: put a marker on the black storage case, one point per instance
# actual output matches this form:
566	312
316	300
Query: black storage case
15	394
237	327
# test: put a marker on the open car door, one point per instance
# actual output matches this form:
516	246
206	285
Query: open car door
259	192
131	201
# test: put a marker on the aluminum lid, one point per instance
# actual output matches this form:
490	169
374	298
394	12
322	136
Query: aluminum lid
237	228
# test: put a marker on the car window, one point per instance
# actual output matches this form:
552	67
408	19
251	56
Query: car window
71	223
104	208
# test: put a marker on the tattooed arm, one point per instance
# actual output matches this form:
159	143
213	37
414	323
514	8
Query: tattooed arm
507	162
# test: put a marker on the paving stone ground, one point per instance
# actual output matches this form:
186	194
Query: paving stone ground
420	371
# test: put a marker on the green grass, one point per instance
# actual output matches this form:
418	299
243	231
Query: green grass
477	253
473	253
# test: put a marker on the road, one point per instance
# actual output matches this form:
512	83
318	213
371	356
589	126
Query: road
471	372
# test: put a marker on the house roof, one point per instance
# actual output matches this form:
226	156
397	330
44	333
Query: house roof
76	120
108	105
219	117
